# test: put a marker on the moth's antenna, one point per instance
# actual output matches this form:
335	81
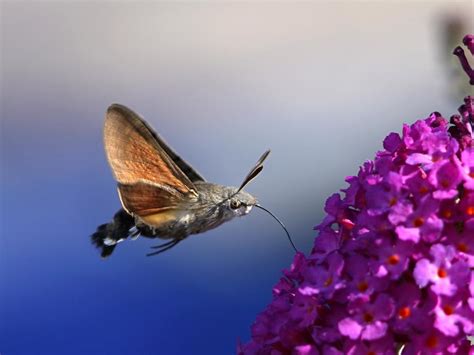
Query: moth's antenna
281	224
255	170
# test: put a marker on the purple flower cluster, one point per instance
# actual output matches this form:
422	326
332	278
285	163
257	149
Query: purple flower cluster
392	265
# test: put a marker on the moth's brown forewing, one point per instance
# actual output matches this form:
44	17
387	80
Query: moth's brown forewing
135	155
150	183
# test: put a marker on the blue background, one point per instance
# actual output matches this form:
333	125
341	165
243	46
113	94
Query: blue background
319	83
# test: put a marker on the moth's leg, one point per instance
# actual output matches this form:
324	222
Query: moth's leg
146	231
165	247
133	233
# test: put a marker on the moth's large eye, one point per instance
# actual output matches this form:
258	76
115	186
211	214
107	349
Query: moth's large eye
234	204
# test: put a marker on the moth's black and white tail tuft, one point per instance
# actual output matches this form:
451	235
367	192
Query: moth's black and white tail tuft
108	235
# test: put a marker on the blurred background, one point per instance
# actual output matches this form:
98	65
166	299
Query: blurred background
320	83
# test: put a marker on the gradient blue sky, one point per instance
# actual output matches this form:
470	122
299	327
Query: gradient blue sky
320	83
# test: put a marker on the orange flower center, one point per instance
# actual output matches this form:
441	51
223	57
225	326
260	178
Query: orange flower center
418	222
446	213
442	273
423	190
393	201
462	247
445	183
471	174
328	281
363	286
368	317
393	259
404	312
470	210
448	310
431	341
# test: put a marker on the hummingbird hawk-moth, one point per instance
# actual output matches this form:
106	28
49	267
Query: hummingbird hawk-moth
162	196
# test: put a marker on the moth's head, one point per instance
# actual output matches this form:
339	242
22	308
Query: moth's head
241	203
